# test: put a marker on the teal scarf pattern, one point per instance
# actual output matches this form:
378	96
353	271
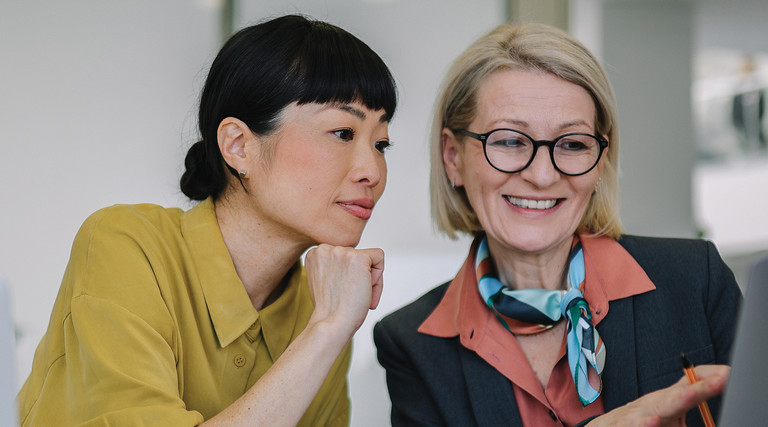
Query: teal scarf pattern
529	311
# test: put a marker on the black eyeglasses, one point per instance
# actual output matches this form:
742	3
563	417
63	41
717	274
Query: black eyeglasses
510	151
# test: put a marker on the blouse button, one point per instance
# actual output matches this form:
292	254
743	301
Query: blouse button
239	360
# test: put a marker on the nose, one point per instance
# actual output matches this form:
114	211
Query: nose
541	172
368	166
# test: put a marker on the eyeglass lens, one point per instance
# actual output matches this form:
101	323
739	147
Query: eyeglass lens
511	151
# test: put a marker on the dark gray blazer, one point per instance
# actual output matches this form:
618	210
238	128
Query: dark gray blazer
437	382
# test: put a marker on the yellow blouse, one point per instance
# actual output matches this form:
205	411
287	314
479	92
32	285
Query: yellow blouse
152	326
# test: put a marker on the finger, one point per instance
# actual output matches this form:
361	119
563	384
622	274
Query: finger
710	378
678	399
376	257
706	371
376	295
652	421
377	275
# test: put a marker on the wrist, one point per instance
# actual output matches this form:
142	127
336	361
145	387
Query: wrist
329	331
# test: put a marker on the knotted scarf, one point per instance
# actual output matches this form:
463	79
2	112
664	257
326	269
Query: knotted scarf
529	311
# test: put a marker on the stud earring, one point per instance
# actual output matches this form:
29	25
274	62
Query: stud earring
242	173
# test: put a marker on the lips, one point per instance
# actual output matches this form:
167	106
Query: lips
361	208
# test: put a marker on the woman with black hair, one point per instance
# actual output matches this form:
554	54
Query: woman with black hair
170	317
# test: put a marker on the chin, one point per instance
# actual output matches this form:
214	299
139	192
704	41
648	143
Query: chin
340	239
536	243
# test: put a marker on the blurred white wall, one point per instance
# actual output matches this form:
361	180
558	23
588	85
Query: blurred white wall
731	196
97	105
648	49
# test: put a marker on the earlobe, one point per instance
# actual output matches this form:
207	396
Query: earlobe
452	157
232	135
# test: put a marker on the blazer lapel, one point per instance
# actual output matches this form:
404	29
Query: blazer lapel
489	392
617	330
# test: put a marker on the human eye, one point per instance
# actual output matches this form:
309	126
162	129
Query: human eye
345	134
383	145
576	144
509	141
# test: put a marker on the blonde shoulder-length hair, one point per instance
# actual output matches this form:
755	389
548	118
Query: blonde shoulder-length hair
529	47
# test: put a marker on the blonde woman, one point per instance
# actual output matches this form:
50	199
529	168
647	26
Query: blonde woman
556	317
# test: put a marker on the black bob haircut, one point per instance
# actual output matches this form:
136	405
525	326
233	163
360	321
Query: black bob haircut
262	69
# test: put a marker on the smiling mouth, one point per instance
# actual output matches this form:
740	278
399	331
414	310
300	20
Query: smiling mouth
531	204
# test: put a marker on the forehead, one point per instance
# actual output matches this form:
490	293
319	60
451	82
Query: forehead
532	99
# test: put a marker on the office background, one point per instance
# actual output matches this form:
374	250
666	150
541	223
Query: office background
98	102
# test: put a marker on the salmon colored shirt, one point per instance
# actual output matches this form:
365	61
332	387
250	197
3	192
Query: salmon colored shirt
463	313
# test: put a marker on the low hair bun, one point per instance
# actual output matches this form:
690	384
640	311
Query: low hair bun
196	182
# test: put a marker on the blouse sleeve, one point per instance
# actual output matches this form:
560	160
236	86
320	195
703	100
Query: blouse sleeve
109	355
119	370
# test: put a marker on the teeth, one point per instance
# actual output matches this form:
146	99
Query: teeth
531	204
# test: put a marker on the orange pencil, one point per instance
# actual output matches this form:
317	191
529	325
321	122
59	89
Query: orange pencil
703	407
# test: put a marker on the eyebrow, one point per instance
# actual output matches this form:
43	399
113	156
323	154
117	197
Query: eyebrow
360	114
562	126
574	124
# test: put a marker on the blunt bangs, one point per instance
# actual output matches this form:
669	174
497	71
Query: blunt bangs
336	67
263	68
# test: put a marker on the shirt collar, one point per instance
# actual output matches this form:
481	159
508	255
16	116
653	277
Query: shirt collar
282	320
229	306
458	307
228	303
611	274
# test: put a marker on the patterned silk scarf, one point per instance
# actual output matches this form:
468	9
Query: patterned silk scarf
529	311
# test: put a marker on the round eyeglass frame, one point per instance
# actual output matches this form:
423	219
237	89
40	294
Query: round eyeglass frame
483	137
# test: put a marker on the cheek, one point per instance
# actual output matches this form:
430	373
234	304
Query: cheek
311	160
483	190
585	188
484	179
314	164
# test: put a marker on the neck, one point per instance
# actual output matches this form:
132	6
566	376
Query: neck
525	270
262	257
